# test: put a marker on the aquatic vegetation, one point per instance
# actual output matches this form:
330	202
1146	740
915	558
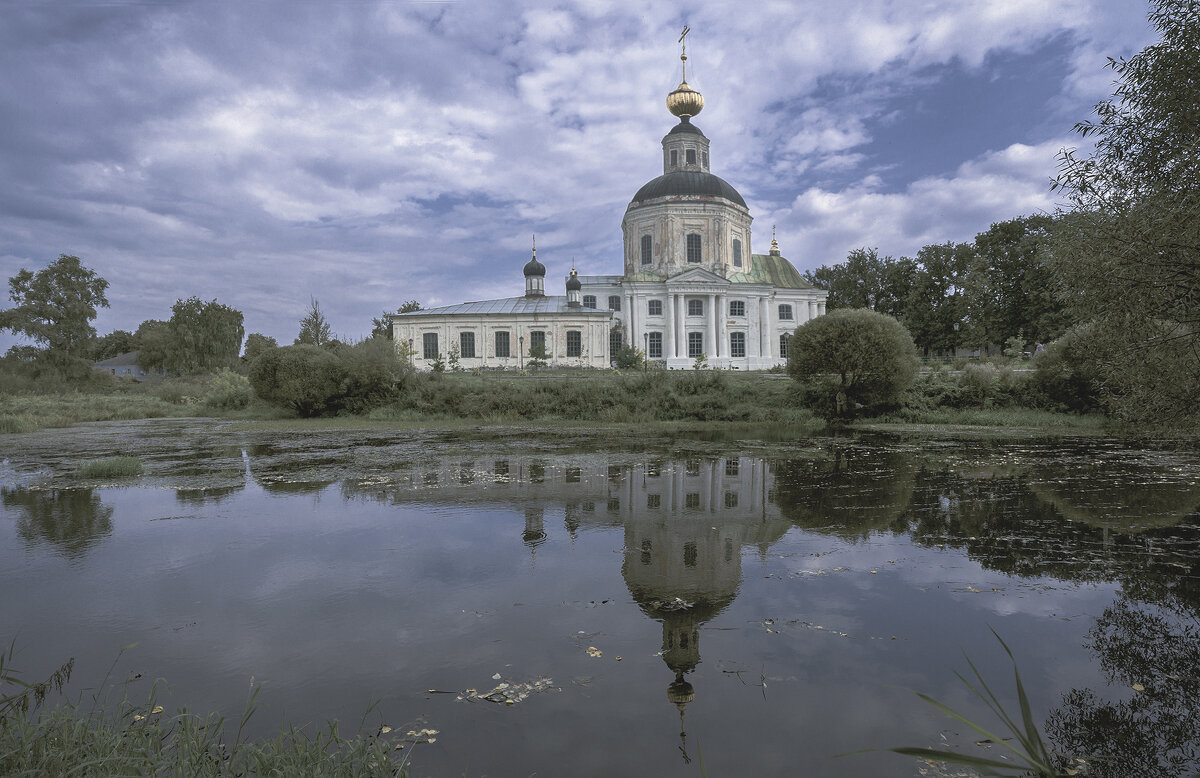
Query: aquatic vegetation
111	467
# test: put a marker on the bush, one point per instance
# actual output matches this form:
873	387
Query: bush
228	391
853	357
110	467
1064	378
305	378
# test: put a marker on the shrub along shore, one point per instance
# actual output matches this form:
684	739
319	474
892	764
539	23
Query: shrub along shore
980	395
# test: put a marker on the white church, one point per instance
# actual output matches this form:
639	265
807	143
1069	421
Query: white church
690	288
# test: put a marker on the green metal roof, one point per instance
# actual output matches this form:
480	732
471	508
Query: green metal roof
773	270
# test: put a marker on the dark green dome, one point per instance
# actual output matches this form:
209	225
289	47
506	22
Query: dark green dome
688	182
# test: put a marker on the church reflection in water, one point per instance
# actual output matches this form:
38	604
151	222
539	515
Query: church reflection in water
686	523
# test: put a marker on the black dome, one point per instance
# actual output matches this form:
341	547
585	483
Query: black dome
686	126
534	268
687	182
573	283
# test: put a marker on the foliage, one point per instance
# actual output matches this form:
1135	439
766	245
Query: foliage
381	327
304	378
1009	288
936	304
314	327
1130	260
1024	740
110	467
853	356
256	344
28	696
316	381
55	308
228	390
204	336
455	364
153	338
537	356
629	357
1064	377
438	365
114	344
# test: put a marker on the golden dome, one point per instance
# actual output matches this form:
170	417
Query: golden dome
685	102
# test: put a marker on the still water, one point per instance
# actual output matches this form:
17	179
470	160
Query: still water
655	606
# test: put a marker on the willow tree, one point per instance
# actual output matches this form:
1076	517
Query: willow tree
1129	259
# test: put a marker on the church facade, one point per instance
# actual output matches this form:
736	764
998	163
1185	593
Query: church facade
691	292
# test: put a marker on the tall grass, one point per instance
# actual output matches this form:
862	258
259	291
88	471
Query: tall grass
110	467
142	739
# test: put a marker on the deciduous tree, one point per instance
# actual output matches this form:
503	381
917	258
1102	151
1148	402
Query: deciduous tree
55	308
1130	262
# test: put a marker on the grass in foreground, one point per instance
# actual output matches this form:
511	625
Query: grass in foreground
142	740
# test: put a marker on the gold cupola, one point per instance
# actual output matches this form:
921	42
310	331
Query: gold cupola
684	102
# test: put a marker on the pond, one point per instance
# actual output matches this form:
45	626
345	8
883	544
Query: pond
609	604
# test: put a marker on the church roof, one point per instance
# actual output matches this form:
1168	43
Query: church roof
773	270
688	182
507	305
686	126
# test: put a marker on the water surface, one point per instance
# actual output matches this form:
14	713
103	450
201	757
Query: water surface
757	607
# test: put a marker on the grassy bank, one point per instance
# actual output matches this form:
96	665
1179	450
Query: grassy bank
657	400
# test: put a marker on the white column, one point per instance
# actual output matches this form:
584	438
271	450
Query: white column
669	333
680	329
812	310
821	308
768	329
722	314
629	319
711	347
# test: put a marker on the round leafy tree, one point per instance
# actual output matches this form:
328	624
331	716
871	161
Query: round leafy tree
852	357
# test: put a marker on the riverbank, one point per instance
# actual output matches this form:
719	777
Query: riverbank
656	400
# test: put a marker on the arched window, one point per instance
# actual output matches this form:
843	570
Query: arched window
647	250
589	301
695	307
614	302
737	253
783	346
706	159
615	342
693	247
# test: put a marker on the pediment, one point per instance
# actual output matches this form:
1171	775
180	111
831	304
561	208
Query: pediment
698	275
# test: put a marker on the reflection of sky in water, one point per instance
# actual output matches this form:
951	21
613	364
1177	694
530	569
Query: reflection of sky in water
792	593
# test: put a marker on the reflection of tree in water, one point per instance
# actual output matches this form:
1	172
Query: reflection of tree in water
1151	733
850	494
73	520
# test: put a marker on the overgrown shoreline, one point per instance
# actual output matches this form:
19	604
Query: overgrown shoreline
654	400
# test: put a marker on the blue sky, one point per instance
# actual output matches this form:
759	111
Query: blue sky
370	152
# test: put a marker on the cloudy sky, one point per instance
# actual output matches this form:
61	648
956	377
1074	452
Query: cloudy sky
368	152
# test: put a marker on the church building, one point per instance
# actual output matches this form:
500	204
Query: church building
690	287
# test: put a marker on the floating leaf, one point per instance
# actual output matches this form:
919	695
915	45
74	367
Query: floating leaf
1137	687
594	652
157	709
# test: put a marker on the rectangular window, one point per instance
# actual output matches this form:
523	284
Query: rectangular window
731	499
691	500
783	346
574	343
731	466
737	308
695	307
654	345
695	344
537	343
654	501
614	302
589	301
647	250
785	312
654	308
737	344
691	156
502	344
429	341
705	155
674	157
693	248
466	345
737	253
615	342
